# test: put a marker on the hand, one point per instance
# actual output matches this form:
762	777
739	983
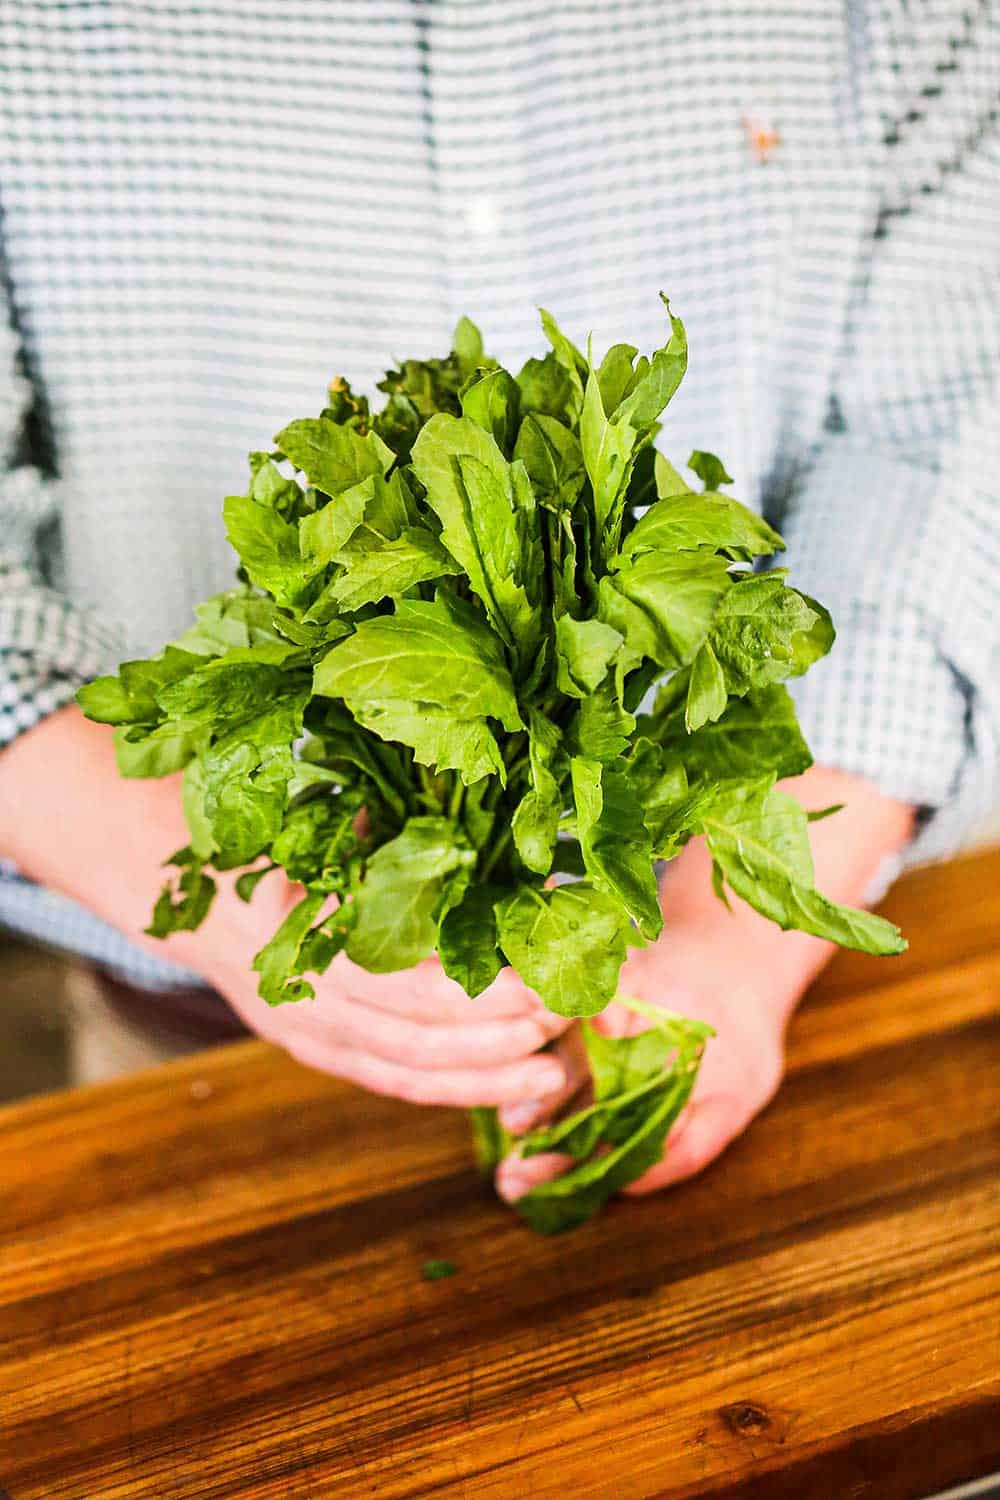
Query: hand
69	821
733	969
739	1075
414	1034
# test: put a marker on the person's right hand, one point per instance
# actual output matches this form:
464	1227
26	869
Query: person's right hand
414	1034
69	821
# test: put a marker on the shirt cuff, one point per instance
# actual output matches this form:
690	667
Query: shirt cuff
908	696
885	705
48	648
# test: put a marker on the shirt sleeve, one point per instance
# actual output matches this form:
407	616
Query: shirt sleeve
896	525
48	645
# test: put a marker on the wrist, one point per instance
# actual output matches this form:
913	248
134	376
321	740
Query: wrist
71	823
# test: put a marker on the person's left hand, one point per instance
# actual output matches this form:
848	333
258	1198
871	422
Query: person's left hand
731	968
740	1071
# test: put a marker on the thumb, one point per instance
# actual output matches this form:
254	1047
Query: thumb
707	1126
517	1175
525	1114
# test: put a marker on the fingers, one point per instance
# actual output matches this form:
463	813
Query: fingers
517	1175
530	1078
704	1131
734	1087
527	1113
474	1043
425	993
618	1021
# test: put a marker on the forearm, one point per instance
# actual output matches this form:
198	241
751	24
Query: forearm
849	849
69	821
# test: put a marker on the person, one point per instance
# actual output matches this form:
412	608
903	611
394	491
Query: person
207	211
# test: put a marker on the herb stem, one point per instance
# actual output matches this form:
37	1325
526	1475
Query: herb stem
499	848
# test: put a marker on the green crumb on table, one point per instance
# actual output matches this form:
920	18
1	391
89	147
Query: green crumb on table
437	1270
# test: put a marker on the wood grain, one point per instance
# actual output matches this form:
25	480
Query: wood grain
210	1277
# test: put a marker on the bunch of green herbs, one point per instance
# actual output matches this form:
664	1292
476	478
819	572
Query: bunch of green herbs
451	614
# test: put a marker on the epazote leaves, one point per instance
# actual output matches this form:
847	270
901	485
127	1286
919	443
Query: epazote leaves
567	944
432	691
641	1084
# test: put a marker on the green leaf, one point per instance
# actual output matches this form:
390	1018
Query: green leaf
490	1141
664	373
817	814
584	651
436	736
131	697
658	779
609	450
307	633
534	826
552	455
568	945
667	479
664	606
193	806
601	727
384	778
238	618
438	653
268	486
677	825
391	569
570	360
707	696
755	734
248	882
325	534
536	819
494	402
332	458
709	469
317	841
467	346
438	1270
183	909
758	629
161	752
615	841
547	388
467	940
267	546
629	1074
278	962
630	1124
758	838
684	523
469	486
246	773
809	645
227	690
343	406
616	375
396	920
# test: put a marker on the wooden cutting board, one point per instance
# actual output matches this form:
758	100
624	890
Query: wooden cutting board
210	1277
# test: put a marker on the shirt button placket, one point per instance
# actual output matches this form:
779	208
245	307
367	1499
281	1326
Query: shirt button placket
476	123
